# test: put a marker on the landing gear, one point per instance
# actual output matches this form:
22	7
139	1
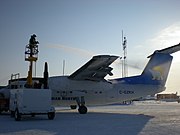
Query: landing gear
81	103
82	109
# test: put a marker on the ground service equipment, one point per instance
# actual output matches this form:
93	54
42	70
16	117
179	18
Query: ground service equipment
31	102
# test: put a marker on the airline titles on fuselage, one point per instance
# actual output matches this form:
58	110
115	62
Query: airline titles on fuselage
74	98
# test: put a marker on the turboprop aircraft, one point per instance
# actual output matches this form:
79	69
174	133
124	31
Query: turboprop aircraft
88	86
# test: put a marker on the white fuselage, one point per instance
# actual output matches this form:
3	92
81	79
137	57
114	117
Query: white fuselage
65	91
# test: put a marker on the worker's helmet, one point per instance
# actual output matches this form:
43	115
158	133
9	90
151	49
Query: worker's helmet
34	35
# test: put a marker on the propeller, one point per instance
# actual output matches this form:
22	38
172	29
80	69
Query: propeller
130	64
46	75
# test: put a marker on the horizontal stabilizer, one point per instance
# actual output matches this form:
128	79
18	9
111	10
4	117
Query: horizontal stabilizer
168	50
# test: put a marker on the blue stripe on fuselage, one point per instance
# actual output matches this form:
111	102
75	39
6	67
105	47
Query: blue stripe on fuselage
141	79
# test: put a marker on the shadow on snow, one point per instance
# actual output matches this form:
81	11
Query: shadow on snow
67	123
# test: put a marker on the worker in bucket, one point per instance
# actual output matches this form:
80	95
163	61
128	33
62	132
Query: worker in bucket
32	40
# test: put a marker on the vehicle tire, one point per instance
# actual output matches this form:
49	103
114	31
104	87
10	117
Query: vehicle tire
17	115
73	107
51	115
82	109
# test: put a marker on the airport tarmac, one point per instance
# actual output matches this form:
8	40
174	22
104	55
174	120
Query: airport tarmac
140	118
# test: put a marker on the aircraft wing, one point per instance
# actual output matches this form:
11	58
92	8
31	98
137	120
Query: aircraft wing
168	50
95	69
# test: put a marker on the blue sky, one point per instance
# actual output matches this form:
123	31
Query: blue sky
75	30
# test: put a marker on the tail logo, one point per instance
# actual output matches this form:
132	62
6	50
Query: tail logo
157	73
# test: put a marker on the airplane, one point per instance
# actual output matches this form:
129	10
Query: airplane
87	86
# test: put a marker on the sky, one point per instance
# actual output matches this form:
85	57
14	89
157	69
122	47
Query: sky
75	30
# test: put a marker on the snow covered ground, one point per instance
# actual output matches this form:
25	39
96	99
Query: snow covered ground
140	118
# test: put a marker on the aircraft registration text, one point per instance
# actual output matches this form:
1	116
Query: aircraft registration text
126	92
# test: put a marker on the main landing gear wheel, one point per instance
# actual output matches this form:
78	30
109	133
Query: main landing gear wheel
82	109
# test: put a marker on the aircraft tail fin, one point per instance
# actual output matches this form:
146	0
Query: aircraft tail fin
157	69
